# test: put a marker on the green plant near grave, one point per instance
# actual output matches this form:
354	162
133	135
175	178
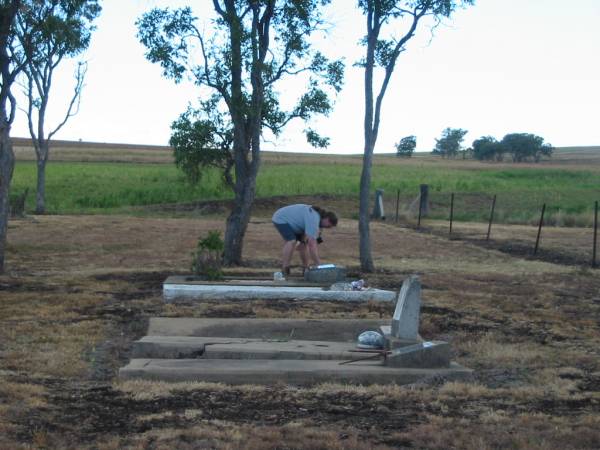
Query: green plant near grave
207	258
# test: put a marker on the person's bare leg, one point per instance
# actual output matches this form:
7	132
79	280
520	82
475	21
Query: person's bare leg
286	259
303	255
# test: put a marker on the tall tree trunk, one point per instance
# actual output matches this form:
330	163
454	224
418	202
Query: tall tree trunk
40	193
237	222
366	260
7	164
8	12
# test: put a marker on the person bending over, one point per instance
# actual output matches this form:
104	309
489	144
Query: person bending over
299	225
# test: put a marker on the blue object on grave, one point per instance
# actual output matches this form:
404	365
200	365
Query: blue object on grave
371	339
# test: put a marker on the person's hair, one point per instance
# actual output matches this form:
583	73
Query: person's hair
333	220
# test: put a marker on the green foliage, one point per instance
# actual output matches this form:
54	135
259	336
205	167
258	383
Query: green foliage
16	203
406	146
449	144
212	242
315	139
51	29
521	146
487	148
75	188
206	260
202	139
526	146
108	187
242	63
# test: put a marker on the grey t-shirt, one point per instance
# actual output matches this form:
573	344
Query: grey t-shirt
303	219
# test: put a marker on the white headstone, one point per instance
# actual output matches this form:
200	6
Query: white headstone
405	324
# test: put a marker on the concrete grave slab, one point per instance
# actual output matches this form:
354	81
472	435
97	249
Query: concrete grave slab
326	274
339	330
179	347
429	354
405	322
295	372
177	290
392	342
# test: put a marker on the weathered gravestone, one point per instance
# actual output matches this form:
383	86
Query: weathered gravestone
405	323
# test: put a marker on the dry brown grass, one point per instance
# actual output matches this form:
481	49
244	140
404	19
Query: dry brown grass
229	436
79	289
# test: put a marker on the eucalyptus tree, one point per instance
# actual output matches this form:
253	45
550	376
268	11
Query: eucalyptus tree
63	29
240	59
390	24
406	147
450	143
9	70
522	146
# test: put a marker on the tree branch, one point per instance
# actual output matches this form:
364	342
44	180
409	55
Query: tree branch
13	107
75	100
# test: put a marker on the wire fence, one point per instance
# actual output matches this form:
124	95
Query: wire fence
568	245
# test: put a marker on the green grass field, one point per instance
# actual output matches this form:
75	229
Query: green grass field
74	187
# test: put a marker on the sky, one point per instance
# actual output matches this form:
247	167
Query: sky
501	66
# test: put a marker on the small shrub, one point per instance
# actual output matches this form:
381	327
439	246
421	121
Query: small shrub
17	203
207	258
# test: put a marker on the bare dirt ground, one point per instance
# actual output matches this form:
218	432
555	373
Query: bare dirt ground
80	289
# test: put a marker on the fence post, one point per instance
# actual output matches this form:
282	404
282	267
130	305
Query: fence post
595	234
451	212
491	218
537	240
397	204
423	202
378	212
424	199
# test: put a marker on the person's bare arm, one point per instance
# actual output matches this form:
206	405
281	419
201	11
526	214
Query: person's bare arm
313	251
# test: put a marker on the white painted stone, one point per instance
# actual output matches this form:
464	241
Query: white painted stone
172	292
405	323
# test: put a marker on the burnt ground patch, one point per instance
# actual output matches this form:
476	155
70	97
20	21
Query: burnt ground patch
83	412
152	280
526	251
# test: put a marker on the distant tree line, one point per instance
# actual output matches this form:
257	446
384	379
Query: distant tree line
520	147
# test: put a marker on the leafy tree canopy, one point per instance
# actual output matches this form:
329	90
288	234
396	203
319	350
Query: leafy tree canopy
524	146
406	146
56	28
488	148
208	129
274	44
450	143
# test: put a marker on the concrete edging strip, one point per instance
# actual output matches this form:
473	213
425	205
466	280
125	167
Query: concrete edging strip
187	292
295	372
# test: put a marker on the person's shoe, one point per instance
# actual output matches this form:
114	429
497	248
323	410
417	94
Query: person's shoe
286	271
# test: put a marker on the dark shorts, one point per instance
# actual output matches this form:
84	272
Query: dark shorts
287	233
